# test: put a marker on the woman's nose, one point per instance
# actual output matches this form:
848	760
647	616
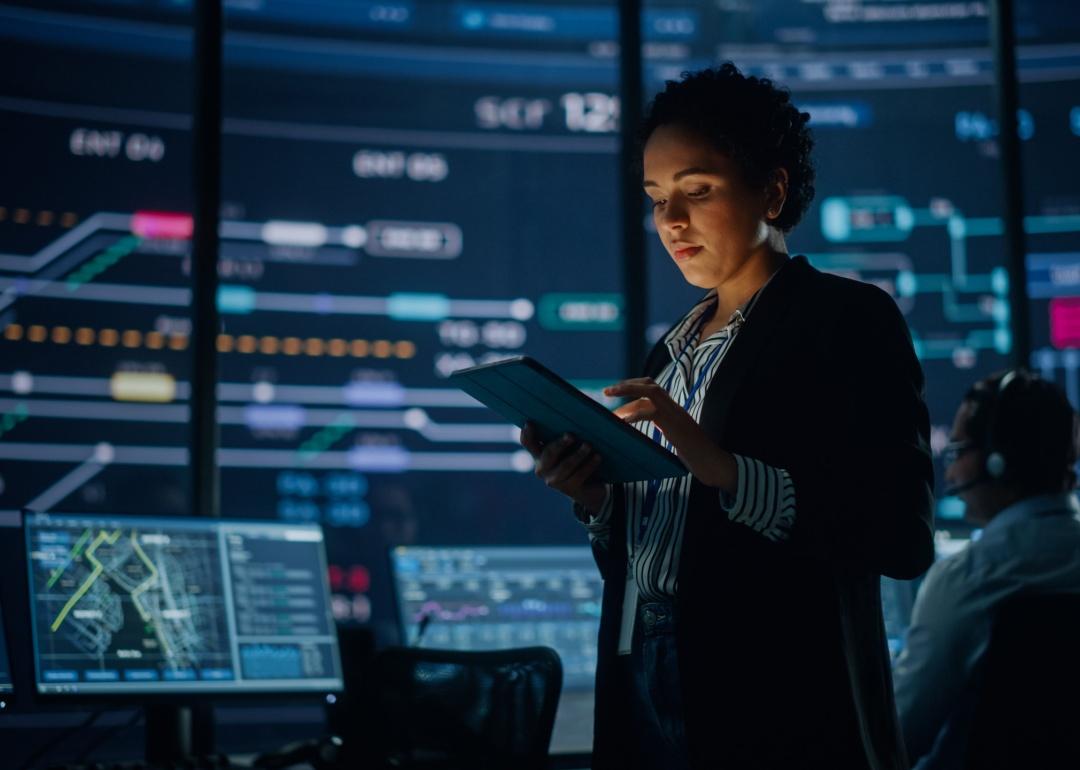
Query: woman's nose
674	217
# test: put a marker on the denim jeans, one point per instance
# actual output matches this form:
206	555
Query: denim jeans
658	728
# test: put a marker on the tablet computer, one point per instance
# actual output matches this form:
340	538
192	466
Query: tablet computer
522	389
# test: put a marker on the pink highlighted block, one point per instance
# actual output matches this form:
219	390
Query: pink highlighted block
1065	322
162	224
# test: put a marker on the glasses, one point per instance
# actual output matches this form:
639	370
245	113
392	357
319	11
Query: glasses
952	451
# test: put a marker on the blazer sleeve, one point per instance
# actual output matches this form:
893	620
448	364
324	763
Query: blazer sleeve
864	481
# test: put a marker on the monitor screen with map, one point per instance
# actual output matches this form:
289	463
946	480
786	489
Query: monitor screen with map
126	605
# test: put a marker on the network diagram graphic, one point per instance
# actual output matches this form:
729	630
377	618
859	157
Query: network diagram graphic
977	300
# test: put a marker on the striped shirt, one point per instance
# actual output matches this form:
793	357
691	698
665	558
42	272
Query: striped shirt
764	499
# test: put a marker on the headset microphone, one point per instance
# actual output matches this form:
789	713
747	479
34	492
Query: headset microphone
980	479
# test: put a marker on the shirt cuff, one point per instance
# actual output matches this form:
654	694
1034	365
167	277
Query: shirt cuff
764	499
598	526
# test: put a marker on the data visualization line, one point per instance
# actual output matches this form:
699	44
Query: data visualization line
102	455
102	537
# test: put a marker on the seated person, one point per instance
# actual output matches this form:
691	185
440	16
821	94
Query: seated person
1010	459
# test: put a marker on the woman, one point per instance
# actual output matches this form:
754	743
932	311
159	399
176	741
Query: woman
741	623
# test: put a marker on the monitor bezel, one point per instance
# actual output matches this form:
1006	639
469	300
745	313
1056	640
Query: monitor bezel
232	692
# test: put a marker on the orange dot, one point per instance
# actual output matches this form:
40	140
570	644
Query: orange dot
61	335
131	338
44	218
290	346
155	340
178	342
3	213
406	349
382	348
224	343
36	333
22	216
269	345
245	343
69	219
359	348
338	347
84	335
13	332
108	337
313	346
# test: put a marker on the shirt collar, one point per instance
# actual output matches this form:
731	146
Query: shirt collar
679	337
1033	508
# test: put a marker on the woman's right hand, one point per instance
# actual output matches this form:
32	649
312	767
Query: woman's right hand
567	466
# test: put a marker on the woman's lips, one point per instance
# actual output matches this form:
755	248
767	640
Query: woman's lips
686	252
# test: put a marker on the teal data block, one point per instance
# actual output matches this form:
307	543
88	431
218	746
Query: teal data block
1002	341
866	218
237	300
951	509
581	312
907	284
418	307
999	281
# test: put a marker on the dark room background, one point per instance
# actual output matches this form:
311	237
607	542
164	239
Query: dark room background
414	186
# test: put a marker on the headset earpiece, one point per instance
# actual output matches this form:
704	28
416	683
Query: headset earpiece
995	465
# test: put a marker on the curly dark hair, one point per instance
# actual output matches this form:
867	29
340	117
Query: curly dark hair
748	118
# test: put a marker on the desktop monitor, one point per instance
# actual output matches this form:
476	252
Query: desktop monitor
126	605
486	598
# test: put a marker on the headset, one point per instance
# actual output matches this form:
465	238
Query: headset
996	465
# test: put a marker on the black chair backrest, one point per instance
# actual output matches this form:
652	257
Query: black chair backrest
448	708
1028	711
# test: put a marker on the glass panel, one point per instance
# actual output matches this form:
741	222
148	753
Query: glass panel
94	235
1049	70
409	188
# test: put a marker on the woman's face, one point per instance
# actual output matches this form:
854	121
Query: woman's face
709	220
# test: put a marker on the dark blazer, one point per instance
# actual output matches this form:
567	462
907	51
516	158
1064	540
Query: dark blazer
781	646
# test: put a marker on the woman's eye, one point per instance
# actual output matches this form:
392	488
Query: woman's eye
699	192
658	203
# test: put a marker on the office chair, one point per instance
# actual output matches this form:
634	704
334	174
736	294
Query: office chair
1029	704
432	709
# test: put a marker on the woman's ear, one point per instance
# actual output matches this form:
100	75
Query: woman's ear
776	194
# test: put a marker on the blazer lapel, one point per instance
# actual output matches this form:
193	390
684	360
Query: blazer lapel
765	318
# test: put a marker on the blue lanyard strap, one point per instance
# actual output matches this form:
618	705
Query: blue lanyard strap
657	436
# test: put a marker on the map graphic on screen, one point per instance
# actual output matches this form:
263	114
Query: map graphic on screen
126	604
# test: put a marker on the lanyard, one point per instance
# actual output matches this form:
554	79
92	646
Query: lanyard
654	484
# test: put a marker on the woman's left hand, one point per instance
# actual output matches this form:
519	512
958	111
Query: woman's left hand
708	462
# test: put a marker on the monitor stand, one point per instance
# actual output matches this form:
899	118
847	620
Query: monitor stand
174	733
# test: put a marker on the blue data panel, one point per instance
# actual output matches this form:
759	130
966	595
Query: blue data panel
409	188
492	598
128	604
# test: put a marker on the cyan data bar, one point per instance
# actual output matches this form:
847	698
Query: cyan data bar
418	307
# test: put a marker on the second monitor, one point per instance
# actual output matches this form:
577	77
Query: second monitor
498	597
